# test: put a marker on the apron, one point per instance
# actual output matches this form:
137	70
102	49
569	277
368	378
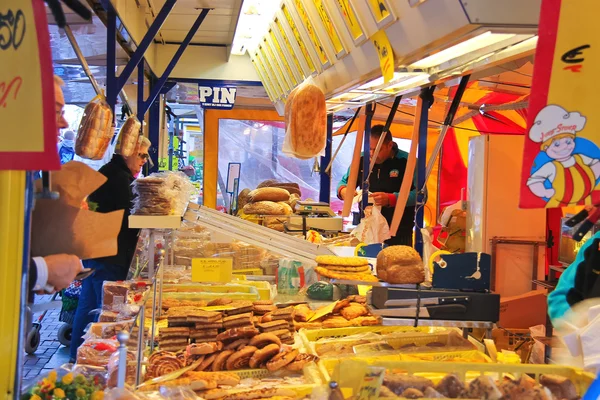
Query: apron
573	185
587	282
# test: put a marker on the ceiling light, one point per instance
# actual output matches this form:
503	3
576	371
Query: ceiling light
476	43
399	77
408	83
253	24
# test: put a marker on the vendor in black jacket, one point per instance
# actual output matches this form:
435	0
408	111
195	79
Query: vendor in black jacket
384	184
115	194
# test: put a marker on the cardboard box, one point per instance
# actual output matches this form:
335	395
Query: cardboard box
523	311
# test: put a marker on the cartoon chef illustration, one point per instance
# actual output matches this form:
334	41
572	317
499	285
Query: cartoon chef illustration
562	175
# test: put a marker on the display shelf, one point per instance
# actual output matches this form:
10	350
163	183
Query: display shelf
379	284
155	221
545	284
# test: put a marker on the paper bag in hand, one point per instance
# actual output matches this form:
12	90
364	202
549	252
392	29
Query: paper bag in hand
60	226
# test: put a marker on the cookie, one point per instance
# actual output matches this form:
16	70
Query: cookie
342	261
338	268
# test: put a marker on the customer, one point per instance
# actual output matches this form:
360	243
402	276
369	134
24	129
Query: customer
56	272
115	194
66	148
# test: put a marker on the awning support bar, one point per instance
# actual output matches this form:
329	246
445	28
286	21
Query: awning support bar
370	111
325	189
161	81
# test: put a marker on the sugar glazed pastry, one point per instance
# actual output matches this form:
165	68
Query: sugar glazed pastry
400	265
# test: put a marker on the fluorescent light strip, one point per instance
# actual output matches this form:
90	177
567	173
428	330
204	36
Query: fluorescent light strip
473	44
253	24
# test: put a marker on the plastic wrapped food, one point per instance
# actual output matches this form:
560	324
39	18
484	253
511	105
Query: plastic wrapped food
96	352
114	294
164	193
95	131
113	369
107	330
128	137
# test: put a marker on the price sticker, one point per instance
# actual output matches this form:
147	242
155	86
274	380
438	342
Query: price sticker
212	270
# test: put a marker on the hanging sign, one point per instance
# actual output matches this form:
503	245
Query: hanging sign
217	97
561	160
385	53
299	40
27	105
351	20
311	32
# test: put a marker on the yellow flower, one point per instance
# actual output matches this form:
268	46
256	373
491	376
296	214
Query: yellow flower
97	396
67	379
35	397
47	386
59	393
80	392
80	379
52	376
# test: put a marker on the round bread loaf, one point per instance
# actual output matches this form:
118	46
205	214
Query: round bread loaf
264	208
268	194
307	121
400	265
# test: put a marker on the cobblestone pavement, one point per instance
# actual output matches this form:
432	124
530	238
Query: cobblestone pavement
50	354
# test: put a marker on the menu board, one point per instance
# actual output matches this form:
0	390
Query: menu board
351	21
381	11
311	32
330	28
285	39
277	65
282	56
298	37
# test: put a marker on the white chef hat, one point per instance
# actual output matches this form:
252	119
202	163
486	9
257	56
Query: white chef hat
554	120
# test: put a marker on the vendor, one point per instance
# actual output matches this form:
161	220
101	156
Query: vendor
384	184
579	282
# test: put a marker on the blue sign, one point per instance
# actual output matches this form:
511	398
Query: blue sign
217	97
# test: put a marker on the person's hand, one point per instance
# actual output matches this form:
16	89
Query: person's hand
381	199
62	270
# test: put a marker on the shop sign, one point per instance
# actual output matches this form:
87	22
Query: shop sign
29	133
385	53
561	160
217	97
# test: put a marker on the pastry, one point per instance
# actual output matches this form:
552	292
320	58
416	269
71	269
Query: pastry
213	394
237	333
385	393
236	317
219	363
222	301
368	320
400	265
172	342
342	261
243	198
272	326
263	309
450	386
241	358
207	362
306	125
209	325
339	268
264	339
336	322
412	393
260	357
282	359
200	316
354	310
561	388
204	333
483	387
431	393
159	354
355	298
263	303
174	332
222	378
281	333
399	383
261	394
340	305
269	194
164	365
204	348
237	344
300	361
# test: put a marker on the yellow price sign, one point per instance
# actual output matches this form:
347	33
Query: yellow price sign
269	70
282	57
331	32
385	53
350	19
380	9
271	57
288	45
299	41
311	32
212	270
26	88
323	311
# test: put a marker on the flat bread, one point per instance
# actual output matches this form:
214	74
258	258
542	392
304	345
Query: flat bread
363	277
339	268
342	261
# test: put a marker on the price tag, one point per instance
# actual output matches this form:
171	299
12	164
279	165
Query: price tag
371	383
212	270
323	311
26	88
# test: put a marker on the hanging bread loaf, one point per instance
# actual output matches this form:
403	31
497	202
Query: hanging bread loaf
307	123
264	208
128	137
400	265
95	130
269	194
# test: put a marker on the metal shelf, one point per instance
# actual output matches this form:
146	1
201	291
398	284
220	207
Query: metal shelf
437	323
378	284
545	284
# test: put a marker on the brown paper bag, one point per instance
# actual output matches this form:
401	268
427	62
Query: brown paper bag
61	226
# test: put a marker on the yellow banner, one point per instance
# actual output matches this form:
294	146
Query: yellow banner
299	41
27	112
385	53
311	32
282	56
331	32
380	9
271	57
212	270
270	71
350	18
289	46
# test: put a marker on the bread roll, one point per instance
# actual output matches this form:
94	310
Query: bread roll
128	137
287	209
307	121
264	208
243	198
269	194
291	187
400	265
95	130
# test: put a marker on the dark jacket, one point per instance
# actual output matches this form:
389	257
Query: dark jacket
387	177
116	194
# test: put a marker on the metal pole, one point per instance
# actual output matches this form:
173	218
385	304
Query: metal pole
81	58
370	111
140	344
140	91
325	189
122	337
427	96
154	131
111	58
